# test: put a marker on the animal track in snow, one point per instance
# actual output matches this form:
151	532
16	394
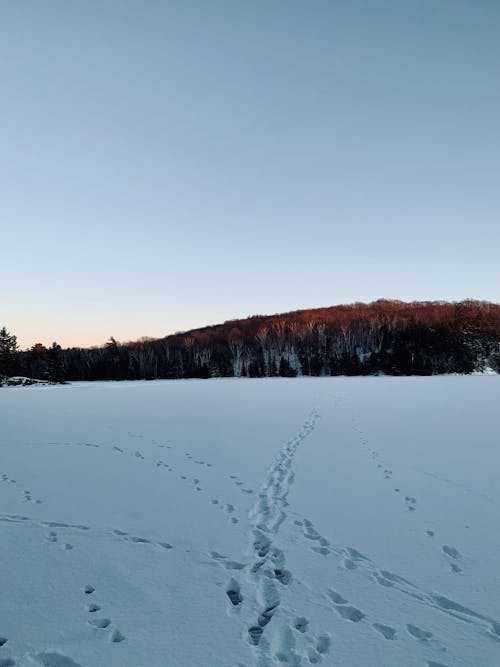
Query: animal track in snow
301	624
57	524
411	503
349	564
336	597
356	555
349	613
323	643
225	562
165	545
452	552
455	555
115	636
385	630
100	623
3	641
418	633
139	540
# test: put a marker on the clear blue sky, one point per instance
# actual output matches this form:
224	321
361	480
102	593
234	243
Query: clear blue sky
166	165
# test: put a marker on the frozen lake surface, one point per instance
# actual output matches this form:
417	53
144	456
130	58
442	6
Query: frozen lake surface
239	523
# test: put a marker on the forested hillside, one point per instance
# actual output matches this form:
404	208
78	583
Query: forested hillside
391	337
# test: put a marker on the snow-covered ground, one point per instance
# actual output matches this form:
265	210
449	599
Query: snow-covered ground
232	523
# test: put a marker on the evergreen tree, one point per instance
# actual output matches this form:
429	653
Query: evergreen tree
55	365
8	354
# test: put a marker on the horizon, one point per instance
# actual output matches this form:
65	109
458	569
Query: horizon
171	164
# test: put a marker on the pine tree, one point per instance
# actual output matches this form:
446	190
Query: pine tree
8	354
55	365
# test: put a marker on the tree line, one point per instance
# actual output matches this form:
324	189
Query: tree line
384	337
39	362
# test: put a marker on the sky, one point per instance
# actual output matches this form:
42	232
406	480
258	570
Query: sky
170	164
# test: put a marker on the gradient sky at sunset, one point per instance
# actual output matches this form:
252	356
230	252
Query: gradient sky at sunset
169	164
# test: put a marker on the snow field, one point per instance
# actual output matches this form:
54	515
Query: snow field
333	521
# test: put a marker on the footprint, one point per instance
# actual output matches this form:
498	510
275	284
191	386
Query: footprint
115	636
255	634
283	576
324	551
410	503
91	608
394	577
350	613
385	630
336	597
165	545
266	616
355	554
452	552
139	540
418	633
349	564
100	623
88	590
233	592
313	657
233	565
323	644
3	641
301	624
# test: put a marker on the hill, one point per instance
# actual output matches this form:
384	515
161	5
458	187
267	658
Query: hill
384	337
